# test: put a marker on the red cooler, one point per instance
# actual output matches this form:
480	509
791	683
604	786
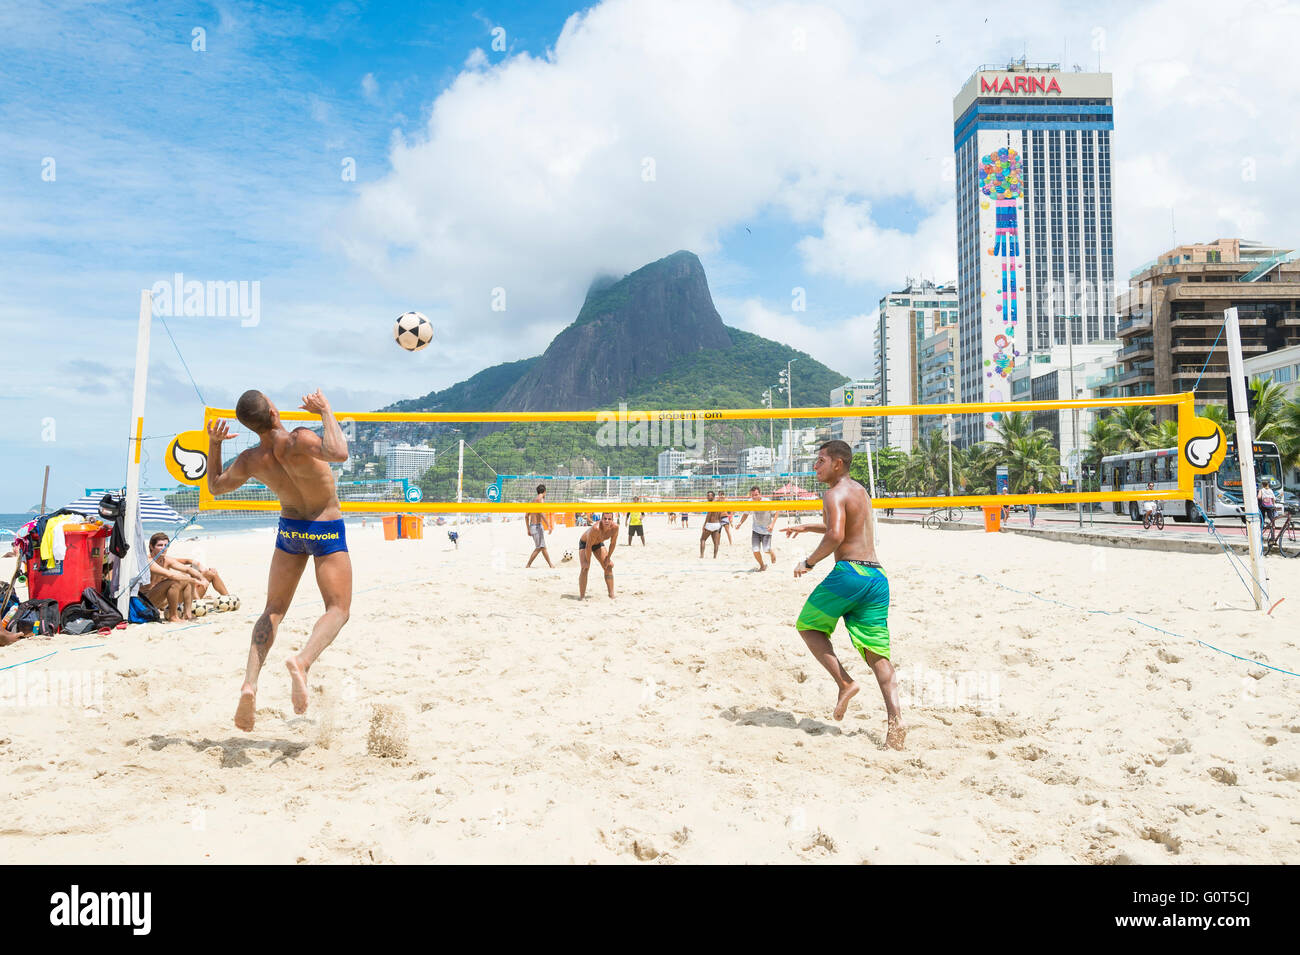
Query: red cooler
81	567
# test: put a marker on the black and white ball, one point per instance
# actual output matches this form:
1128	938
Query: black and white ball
412	331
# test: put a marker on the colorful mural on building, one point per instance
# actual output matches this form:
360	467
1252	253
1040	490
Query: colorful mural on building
1001	182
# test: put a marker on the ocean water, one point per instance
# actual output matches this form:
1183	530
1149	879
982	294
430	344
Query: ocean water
216	525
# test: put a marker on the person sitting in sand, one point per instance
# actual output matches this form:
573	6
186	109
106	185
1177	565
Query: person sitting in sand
856	589
295	465
590	545
764	527
539	525
712	528
203	577
169	590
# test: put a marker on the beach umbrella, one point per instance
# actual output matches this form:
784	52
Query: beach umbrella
151	508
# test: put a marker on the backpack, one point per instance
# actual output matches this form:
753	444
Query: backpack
94	612
102	610
39	617
142	611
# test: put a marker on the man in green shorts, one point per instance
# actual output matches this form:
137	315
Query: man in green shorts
856	589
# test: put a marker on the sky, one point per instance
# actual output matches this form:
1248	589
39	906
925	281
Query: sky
481	163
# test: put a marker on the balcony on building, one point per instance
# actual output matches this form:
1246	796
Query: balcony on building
1141	372
1133	324
1136	348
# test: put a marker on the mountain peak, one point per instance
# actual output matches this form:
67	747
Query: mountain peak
628	331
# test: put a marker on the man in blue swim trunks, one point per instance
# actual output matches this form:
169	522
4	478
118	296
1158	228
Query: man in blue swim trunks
296	466
855	590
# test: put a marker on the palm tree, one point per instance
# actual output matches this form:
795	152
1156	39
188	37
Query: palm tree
1011	425
1020	447
1135	425
979	468
933	451
1102	438
1165	435
1290	417
1266	420
1033	460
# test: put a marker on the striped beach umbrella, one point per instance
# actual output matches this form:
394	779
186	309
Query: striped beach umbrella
151	508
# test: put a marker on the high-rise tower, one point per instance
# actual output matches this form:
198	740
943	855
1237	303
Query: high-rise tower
1035	247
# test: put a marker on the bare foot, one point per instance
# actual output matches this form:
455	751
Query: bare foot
244	712
896	733
846	694
299	678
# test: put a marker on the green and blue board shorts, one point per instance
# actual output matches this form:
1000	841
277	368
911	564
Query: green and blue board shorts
856	591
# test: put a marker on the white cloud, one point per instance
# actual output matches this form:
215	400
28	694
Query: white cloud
477	59
853	247
842	344
650	127
531	174
370	87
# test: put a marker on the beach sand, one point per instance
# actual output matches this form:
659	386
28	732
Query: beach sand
472	711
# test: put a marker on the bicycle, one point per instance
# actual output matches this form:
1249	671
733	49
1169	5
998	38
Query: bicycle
1285	537
940	516
1156	517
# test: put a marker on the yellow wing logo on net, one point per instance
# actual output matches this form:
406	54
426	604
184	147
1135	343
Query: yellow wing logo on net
1202	446
187	457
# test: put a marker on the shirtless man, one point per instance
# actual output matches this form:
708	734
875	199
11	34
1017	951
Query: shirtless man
712	528
763	527
170	590
726	517
203	577
855	589
590	545
296	466
539	525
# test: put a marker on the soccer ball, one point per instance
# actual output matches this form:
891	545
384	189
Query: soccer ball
412	331
234	602
223	603
199	609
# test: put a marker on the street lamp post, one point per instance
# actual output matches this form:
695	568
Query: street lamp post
950	455
787	384
771	433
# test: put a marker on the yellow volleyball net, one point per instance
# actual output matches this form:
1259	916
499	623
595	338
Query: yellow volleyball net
451	462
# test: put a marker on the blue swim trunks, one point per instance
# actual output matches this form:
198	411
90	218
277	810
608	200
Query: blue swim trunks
317	538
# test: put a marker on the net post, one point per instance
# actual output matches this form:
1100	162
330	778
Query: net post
460	478
1246	455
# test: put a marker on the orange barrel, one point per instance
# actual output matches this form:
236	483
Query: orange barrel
992	519
392	527
412	527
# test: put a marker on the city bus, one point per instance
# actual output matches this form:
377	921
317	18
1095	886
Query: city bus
1218	493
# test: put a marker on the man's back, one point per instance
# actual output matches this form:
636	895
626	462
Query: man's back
301	480
857	543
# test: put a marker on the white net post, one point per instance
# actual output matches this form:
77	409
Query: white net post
1246	455
460	478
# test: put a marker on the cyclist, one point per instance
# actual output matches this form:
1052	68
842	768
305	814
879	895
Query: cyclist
1267	506
1149	508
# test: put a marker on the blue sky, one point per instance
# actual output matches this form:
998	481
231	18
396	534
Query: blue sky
793	145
